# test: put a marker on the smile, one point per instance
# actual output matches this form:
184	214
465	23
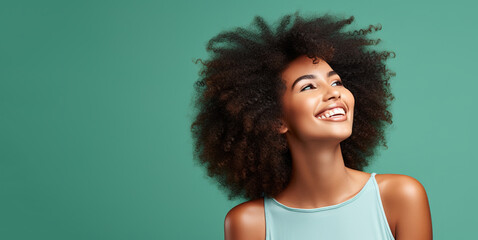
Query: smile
336	118
335	114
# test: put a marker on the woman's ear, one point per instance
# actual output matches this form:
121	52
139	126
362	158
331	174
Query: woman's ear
283	128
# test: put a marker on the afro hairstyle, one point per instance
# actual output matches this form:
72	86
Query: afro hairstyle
238	98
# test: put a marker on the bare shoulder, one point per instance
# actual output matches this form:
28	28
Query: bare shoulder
406	201
401	187
246	221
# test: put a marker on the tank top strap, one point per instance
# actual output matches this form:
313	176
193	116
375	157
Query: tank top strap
381	210
267	216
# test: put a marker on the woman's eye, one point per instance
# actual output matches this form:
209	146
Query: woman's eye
339	82
308	85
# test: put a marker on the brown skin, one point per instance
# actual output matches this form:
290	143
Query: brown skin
319	177
404	200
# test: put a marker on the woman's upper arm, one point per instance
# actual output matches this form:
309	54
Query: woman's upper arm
414	220
245	221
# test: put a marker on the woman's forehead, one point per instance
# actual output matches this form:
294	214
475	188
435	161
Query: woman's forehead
304	65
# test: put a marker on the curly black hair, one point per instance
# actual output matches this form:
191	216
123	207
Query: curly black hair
238	98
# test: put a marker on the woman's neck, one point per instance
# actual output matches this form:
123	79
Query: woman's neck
319	177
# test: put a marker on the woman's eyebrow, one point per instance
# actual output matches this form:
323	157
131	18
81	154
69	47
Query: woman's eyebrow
311	76
331	73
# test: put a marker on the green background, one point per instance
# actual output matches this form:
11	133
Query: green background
95	101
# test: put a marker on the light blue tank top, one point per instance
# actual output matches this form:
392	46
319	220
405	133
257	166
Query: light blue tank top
359	218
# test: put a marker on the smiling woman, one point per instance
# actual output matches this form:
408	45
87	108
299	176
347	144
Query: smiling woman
287	118
315	97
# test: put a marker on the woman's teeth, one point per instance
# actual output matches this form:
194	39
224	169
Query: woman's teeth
332	112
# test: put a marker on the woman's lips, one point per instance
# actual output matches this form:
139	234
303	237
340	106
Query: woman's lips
338	118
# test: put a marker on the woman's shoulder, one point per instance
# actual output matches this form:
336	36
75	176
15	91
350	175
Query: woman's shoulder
246	221
399	185
399	190
405	203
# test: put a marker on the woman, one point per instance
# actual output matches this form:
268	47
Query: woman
288	117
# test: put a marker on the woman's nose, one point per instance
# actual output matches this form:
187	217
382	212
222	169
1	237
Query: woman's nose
331	92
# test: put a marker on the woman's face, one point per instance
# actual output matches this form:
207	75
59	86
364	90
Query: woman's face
311	89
